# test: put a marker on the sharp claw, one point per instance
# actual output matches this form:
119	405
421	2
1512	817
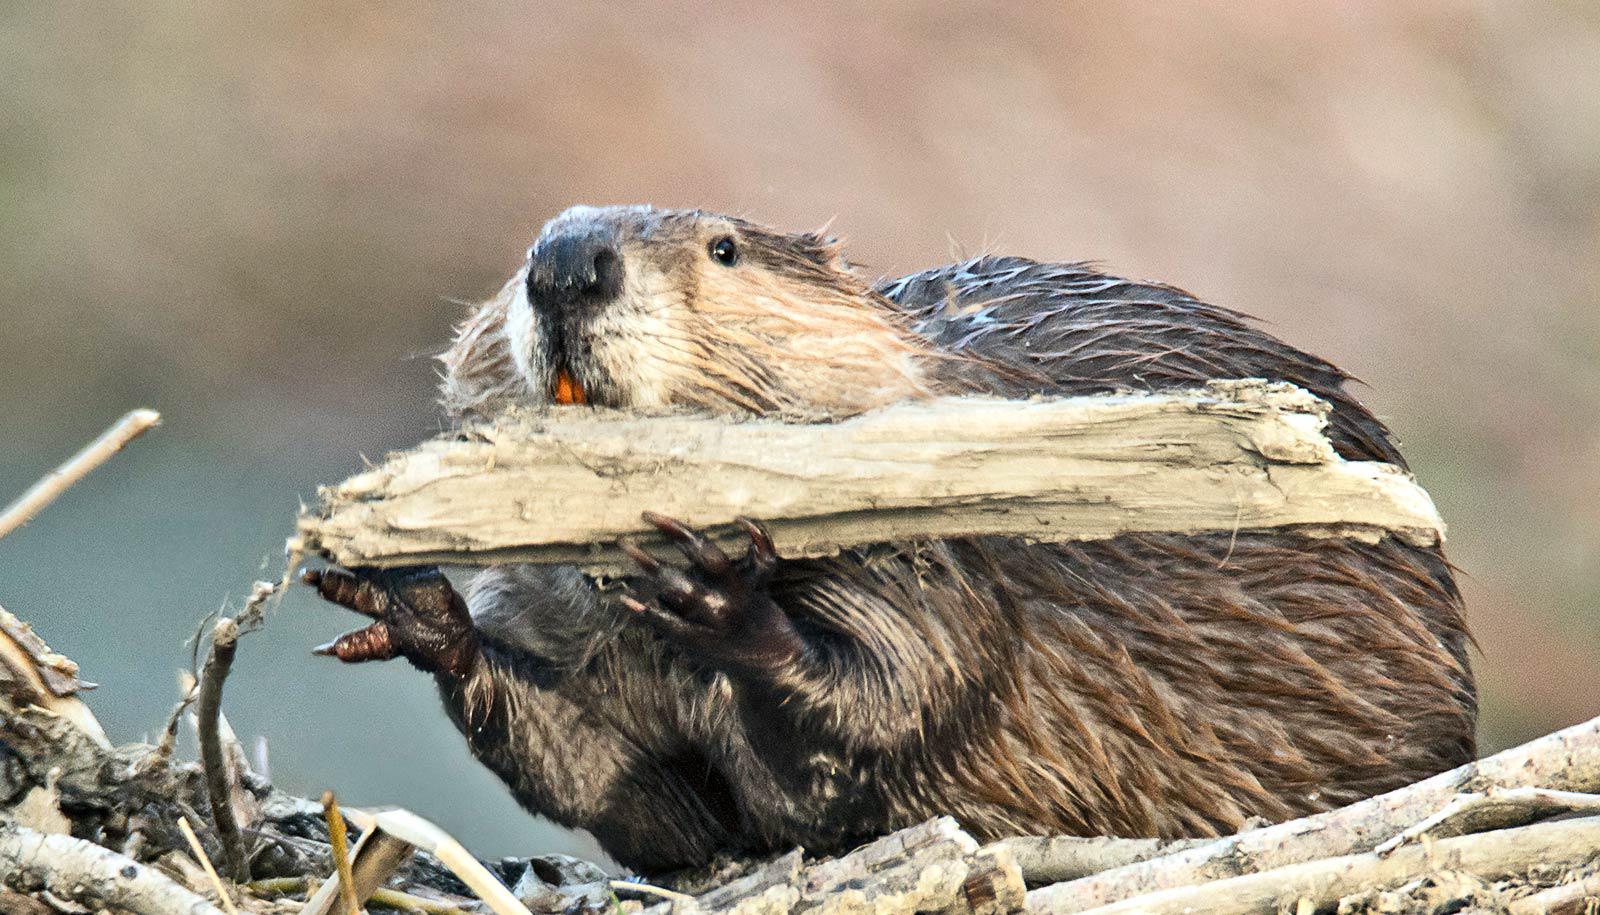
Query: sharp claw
695	547
372	643
760	540
659	521
638	554
679	532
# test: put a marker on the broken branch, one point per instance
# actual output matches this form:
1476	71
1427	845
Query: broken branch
210	726
132	425
219	788
562	486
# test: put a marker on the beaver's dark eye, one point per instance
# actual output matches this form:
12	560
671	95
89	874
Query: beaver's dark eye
724	251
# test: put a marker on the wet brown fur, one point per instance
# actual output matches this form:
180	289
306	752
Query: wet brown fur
1145	685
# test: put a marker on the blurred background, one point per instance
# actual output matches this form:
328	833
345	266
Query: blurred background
263	220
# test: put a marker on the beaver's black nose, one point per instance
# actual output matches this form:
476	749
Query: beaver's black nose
580	266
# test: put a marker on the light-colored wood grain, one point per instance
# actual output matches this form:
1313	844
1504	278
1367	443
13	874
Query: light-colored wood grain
1489	856
563	485
1568	760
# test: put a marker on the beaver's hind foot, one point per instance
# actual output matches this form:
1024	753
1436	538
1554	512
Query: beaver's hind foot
719	609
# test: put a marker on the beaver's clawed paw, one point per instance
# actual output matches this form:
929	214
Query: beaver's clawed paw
719	608
419	617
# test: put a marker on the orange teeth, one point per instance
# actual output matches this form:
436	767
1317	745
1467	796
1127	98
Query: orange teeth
568	390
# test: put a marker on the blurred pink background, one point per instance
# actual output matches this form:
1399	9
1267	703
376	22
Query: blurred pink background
261	220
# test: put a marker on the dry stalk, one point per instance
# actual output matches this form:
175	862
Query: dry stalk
205	862
393	899
75	468
645	889
341	853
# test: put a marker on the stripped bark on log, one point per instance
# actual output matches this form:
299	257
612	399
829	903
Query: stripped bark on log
932	867
88	874
1565	899
770	888
1324	882
563	485
1568	760
1052	859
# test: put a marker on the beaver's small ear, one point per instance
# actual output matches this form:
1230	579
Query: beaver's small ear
824	249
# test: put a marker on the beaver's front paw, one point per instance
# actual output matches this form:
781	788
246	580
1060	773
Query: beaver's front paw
419	617
718	609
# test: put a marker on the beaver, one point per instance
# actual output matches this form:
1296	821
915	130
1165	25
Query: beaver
1145	685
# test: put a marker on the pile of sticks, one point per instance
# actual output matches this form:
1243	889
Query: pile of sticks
86	826
89	826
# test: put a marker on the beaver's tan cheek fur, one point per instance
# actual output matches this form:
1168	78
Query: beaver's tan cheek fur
806	347
635	345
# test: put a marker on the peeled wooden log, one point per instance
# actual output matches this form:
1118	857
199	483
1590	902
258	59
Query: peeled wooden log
931	867
1319	885
769	888
1052	859
83	872
1568	760
561	486
934	867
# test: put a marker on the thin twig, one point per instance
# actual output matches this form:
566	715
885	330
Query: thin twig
1501	807
341	853
205	862
646	889
59	480
1053	859
395	899
281	886
188	687
224	643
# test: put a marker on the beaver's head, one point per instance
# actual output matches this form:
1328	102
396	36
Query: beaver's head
652	309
